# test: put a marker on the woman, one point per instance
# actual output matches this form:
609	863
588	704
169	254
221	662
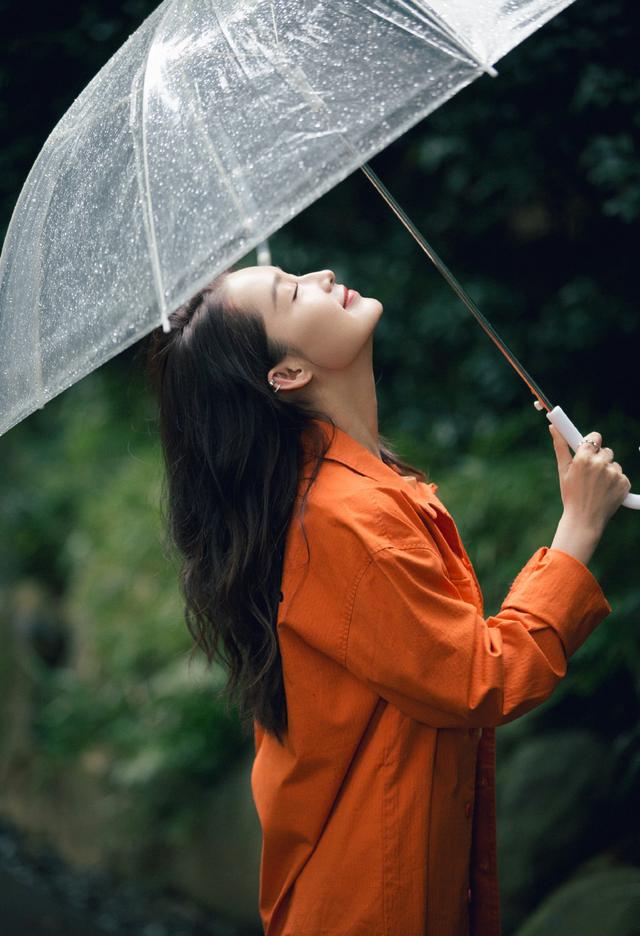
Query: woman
331	580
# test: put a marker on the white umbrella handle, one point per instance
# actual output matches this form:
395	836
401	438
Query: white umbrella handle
573	438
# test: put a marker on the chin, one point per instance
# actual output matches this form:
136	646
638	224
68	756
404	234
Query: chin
372	302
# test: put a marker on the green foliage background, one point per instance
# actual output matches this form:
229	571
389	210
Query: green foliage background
529	187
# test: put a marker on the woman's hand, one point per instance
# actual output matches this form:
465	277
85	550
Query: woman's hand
592	485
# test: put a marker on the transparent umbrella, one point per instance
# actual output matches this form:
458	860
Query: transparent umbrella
215	124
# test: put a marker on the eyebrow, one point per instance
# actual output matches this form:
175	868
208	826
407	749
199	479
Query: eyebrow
274	289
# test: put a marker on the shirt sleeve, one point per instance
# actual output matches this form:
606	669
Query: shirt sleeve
419	645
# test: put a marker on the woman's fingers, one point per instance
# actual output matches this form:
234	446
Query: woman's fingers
592	485
563	452
586	449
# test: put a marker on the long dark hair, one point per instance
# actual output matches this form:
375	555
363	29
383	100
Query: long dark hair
232	456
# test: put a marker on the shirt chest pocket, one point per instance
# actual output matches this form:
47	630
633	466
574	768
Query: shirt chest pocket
443	531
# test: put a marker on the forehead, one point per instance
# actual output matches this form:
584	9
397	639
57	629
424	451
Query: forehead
251	284
253	276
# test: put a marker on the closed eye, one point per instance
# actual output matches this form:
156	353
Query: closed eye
295	293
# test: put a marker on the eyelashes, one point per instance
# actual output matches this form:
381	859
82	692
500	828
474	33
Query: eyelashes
295	293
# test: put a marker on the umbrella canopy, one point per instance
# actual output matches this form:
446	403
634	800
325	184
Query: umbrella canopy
211	127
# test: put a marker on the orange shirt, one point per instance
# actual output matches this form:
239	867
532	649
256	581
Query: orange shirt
378	814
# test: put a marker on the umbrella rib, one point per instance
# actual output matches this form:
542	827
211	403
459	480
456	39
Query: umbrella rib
145	188
38	304
151	228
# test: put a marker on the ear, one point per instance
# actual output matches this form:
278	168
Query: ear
290	374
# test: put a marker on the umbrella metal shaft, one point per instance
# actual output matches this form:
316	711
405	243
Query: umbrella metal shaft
455	285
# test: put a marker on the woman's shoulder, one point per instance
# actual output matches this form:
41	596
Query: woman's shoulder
345	505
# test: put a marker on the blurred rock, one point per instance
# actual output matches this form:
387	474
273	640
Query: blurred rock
605	902
552	814
41	895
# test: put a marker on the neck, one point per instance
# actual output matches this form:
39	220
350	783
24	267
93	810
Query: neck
349	398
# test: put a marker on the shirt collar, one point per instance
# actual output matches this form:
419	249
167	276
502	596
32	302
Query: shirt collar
347	451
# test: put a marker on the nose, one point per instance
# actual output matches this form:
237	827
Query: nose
327	278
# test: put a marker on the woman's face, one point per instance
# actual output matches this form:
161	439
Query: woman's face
326	323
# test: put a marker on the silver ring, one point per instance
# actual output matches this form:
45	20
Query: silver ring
596	445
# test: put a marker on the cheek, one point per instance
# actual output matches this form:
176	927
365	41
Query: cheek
331	341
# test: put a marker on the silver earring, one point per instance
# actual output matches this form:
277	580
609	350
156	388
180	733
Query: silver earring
274	384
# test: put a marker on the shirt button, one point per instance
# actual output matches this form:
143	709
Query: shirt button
467	808
469	896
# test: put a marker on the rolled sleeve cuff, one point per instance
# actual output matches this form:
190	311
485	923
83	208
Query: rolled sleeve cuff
556	590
